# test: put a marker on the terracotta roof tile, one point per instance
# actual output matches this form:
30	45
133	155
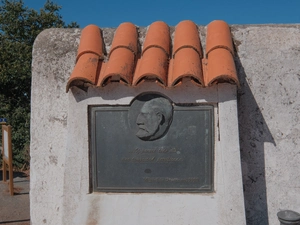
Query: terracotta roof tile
218	36
90	41
85	71
126	36
155	62
89	54
220	68
119	67
219	53
122	56
187	36
187	54
158	35
186	63
152	66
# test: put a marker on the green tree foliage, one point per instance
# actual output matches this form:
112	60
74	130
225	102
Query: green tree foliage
19	26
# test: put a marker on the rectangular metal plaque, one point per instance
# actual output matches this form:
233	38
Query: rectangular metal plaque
124	159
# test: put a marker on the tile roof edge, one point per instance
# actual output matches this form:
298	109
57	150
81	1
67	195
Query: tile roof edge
78	82
91	63
149	66
224	79
186	64
150	77
119	67
220	65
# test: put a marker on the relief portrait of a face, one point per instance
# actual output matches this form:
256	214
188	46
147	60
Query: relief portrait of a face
154	119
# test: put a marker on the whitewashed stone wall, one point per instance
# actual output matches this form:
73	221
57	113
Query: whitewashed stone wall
267	60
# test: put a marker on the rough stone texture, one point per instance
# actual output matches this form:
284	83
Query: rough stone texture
267	60
54	55
268	66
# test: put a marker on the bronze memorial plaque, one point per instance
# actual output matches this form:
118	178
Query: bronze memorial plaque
152	145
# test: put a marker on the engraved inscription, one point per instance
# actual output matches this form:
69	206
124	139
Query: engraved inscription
158	150
169	179
138	160
151	159
169	159
158	155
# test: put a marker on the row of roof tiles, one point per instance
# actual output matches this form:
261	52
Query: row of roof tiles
159	59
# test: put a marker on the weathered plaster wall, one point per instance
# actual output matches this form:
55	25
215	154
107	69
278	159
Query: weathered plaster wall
53	56
268	104
224	207
268	63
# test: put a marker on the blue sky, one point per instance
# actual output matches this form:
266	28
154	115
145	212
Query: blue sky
111	13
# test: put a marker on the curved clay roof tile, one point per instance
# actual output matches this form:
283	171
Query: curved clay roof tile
119	67
187	63
86	70
218	36
126	36
158	35
187	36
90	41
152	66
221	68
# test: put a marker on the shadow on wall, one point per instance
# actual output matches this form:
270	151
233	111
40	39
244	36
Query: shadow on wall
254	132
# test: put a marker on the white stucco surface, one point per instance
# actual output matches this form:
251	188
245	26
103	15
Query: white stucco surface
53	57
268	59
267	62
224	206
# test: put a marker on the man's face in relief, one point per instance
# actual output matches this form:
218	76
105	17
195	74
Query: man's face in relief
148	122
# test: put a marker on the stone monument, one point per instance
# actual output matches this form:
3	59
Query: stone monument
146	134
